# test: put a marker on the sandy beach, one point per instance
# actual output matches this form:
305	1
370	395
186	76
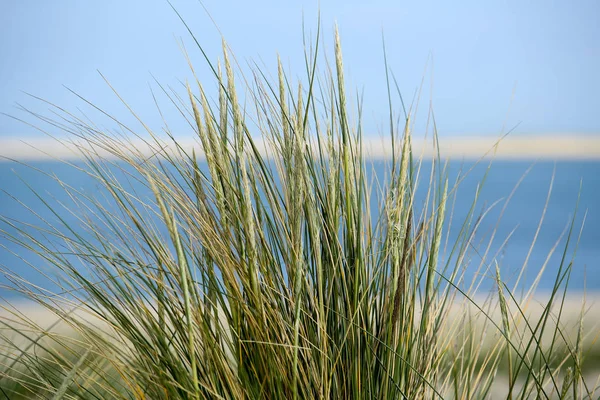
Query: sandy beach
29	318
516	147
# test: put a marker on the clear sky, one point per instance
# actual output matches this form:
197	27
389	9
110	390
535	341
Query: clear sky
548	52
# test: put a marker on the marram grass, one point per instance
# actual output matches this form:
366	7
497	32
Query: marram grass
261	274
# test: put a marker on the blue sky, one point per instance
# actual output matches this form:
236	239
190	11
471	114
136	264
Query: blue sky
547	52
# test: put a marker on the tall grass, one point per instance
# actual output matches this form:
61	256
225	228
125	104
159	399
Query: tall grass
259	271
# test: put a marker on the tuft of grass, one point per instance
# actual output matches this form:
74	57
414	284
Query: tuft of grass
260	271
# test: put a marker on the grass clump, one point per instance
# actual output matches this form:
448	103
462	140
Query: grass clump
262	271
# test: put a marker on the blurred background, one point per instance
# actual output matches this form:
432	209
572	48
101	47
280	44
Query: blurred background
484	67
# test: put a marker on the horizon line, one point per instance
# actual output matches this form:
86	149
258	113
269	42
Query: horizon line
534	146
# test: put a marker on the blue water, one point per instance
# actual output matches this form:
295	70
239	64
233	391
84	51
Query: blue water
572	179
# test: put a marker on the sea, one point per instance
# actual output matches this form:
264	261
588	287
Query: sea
513	198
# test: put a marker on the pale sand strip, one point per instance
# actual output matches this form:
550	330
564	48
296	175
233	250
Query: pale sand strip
548	147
